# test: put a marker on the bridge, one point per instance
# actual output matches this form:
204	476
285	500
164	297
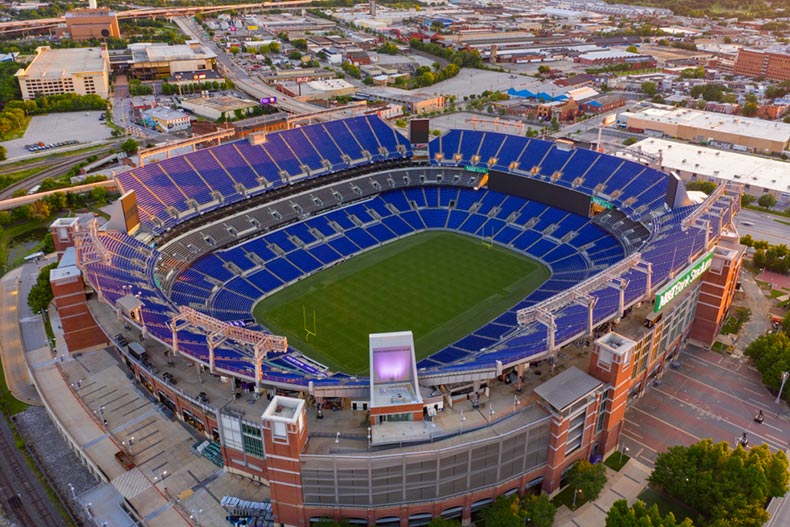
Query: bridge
41	24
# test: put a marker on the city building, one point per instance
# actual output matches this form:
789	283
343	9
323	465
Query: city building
68	288
717	291
773	65
758	175
161	61
165	120
412	101
83	71
97	23
225	107
613	57
727	131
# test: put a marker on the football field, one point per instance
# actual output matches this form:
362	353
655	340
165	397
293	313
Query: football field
439	285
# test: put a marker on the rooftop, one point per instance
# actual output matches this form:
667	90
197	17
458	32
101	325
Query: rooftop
163	113
222	104
63	62
720	164
158	52
567	387
732	124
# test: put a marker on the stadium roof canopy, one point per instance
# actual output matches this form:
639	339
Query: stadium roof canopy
567	387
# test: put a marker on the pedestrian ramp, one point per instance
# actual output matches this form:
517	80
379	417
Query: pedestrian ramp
131	483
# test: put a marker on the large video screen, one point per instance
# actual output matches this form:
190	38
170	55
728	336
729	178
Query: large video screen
541	191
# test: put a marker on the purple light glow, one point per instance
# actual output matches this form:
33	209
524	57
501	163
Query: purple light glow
391	364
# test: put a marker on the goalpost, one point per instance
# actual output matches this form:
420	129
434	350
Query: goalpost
488	241
309	332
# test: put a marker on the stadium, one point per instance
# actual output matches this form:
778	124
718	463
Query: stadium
497	251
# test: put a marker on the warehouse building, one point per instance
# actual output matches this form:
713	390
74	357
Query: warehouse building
725	131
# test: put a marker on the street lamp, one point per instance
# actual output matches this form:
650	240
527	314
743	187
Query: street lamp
491	412
623	449
785	375
576	493
515	403
196	516
461	422
370	436
337	438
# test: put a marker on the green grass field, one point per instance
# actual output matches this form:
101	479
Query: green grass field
441	286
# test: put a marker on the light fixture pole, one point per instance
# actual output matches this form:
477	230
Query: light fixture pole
196	516
461	423
785	375
623	449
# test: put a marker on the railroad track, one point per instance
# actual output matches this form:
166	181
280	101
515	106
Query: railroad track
22	496
60	167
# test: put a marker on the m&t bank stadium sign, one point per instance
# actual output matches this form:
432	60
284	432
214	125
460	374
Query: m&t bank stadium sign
689	276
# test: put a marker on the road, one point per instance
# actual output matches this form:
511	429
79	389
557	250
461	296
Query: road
763	226
240	78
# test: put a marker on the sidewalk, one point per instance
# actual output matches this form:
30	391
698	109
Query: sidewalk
626	484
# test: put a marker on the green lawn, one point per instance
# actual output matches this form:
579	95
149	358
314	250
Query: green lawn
616	461
441	286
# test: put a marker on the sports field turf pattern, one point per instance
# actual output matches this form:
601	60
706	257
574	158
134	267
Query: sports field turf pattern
441	286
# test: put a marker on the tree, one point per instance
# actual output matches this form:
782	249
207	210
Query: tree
130	147
786	323
726	486
749	109
39	210
3	153
504	512
48	244
638	515
632	49
767	201
587	479
770	354
649	88
747	199
705	186
98	195
540	510
543	69
41	293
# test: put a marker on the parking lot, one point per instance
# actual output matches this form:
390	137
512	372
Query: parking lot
83	127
